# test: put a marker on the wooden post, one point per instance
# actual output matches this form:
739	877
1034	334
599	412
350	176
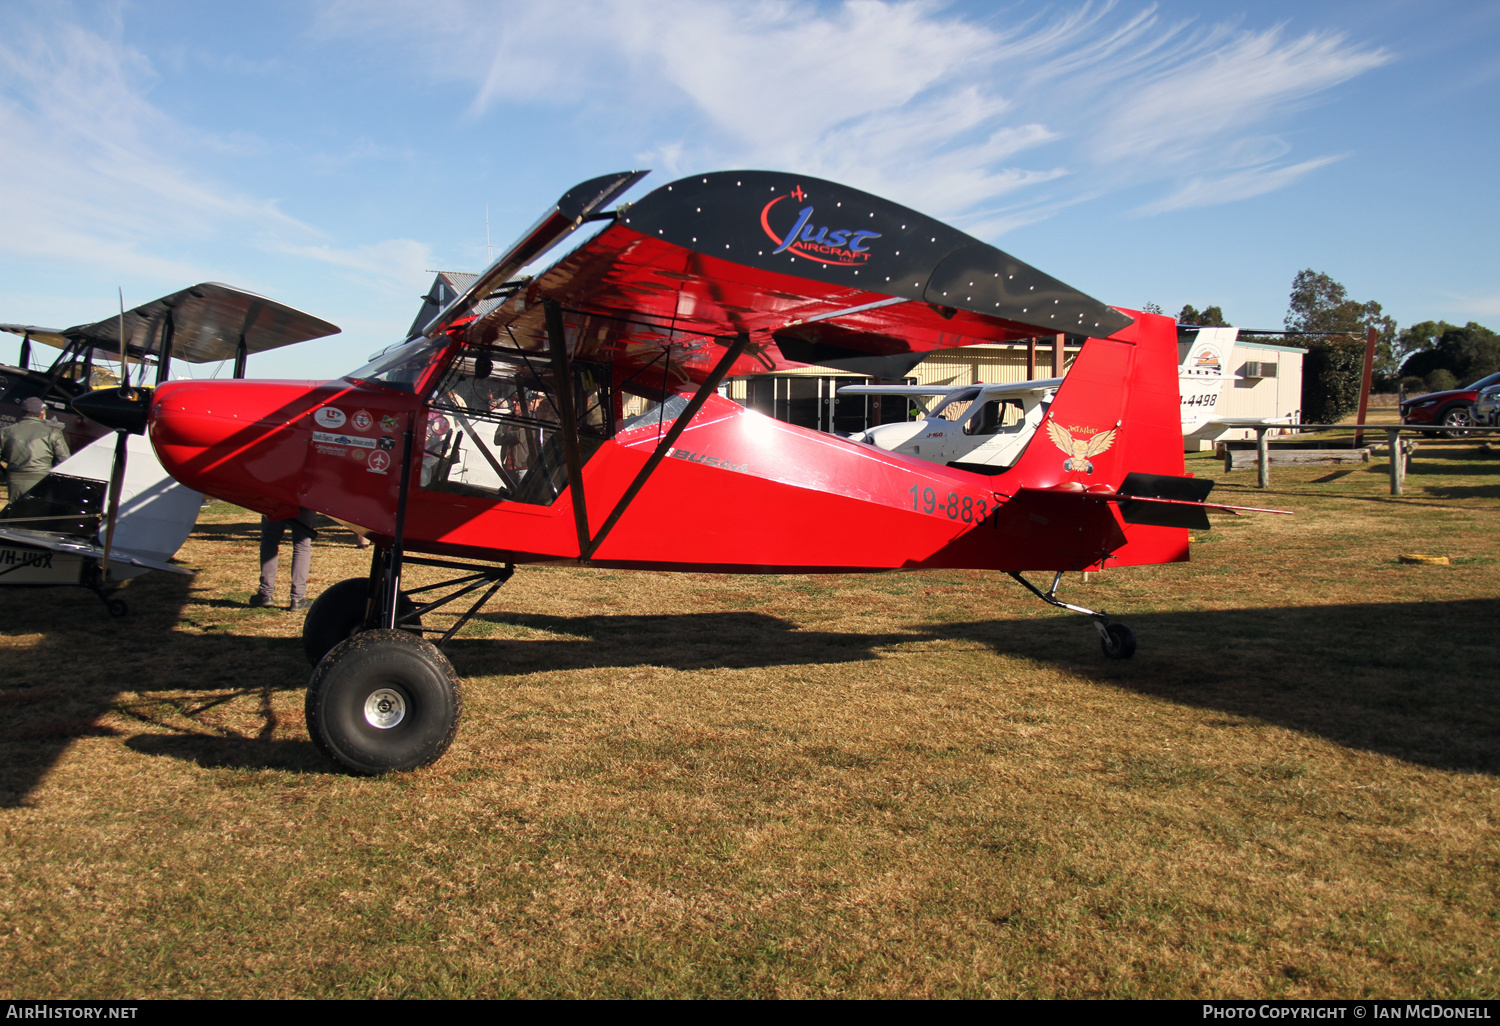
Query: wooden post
1364	388
1264	458
1031	359
1398	460
1057	354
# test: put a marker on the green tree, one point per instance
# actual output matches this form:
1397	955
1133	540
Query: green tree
1151	308
1208	317
1467	353
1332	370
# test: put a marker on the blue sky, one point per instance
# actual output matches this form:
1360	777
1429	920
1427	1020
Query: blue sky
328	154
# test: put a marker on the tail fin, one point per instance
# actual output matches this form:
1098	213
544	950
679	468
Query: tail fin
1117	413
1203	374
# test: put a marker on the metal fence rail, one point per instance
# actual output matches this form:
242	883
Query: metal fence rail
1393	434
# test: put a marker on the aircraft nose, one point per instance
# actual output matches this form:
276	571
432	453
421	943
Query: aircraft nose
119	408
242	441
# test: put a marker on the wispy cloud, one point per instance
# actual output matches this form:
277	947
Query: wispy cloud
90	174
914	100
1210	190
101	179
390	263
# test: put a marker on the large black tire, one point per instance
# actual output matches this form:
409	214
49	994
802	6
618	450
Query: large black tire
339	613
383	701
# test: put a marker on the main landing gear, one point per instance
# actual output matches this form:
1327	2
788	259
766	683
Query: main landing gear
382	697
1117	640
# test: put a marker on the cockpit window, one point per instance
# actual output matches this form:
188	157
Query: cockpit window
493	426
994	416
403	366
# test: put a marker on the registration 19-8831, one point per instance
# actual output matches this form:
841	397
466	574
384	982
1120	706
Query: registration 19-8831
954	506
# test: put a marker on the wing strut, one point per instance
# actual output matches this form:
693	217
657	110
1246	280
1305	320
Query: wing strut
733	353
565	413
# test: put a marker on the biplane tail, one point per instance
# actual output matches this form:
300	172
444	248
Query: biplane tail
65	511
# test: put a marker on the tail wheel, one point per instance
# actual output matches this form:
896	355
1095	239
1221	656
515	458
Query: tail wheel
1118	641
383	701
339	613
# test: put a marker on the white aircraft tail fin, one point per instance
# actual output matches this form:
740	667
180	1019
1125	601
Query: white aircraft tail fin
1203	373
156	513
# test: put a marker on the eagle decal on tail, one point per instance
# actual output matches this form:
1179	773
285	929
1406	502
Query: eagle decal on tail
1079	450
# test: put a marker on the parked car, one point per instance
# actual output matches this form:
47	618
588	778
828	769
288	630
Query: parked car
1453	408
1486	409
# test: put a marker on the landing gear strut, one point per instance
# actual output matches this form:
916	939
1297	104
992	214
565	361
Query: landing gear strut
382	697
1117	640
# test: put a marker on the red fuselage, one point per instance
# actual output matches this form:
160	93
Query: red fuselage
739	492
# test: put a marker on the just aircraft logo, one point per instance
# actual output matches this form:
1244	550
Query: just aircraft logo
807	238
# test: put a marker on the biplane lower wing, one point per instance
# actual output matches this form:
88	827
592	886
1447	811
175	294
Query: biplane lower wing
87	550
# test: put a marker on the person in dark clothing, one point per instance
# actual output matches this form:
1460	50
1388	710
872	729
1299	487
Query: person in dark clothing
271	532
31	447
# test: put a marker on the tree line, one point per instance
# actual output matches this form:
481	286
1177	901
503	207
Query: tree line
1428	356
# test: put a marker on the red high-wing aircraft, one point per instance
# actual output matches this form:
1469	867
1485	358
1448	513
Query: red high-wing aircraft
497	431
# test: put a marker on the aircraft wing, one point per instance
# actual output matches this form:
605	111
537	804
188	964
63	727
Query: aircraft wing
988	391
1249	422
206	323
912	391
75	547
811	271
51	336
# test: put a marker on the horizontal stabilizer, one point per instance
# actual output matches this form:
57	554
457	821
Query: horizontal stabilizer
1177	490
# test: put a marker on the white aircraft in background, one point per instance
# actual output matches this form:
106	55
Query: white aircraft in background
984	428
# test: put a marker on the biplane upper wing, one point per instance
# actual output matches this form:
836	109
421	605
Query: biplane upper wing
811	272
200	324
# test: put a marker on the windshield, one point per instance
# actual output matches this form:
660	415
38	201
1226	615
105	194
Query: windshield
401	367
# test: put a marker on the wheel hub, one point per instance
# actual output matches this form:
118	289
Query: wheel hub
385	708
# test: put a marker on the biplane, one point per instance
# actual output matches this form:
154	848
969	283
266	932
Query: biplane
497	433
110	512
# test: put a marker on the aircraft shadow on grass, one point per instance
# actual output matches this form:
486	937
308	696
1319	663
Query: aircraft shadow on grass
1413	681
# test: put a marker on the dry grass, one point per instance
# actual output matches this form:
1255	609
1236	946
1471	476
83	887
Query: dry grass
688	785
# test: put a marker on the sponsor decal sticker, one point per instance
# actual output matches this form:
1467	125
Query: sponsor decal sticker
357	454
361	421
331	439
388	423
806	238
379	462
386	442
329	417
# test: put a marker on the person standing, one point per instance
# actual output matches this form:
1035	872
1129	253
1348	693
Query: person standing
31	447
271	532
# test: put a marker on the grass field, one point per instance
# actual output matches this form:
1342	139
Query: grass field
900	785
